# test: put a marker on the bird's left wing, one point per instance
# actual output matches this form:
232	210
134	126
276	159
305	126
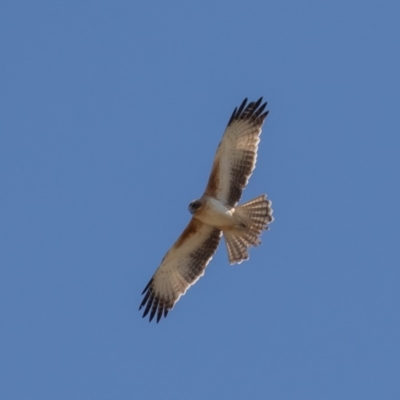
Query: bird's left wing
236	155
181	267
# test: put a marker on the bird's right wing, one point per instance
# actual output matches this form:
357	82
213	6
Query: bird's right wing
181	267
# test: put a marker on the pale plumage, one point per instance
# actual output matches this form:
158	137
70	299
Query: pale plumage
181	267
216	213
236	155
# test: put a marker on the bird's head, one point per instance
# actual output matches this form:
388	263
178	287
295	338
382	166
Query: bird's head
194	206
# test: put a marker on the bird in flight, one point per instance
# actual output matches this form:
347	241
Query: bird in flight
216	213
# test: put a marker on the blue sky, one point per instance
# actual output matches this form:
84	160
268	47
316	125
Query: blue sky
111	113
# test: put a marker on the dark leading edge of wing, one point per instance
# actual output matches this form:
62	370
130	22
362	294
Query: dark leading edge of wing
253	112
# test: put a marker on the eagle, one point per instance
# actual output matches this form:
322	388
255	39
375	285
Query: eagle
216	213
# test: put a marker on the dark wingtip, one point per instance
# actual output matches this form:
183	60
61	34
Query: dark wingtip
147	286
232	116
258	102
237	111
155	306
253	111
241	108
149	304
144	301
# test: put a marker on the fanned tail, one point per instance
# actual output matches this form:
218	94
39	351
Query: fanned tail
255	215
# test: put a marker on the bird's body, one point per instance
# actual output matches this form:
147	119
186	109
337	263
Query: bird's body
216	213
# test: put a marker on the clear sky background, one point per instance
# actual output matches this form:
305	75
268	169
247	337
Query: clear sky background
111	113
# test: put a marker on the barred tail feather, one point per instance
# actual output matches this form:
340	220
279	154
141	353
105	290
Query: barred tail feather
256	214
